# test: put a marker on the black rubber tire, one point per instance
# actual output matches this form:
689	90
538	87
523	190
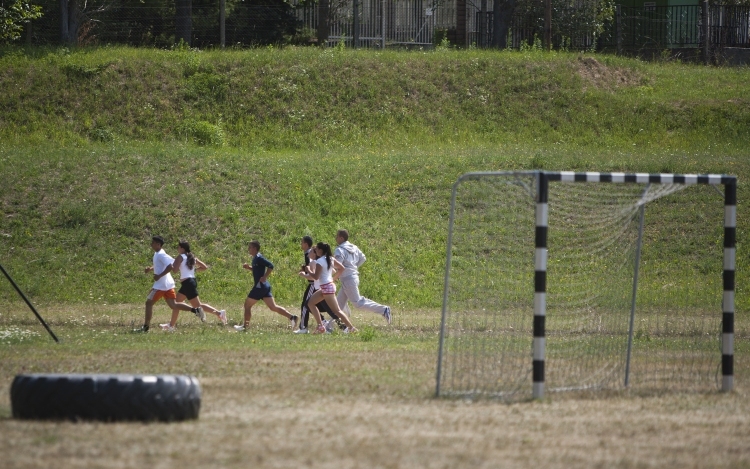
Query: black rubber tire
108	398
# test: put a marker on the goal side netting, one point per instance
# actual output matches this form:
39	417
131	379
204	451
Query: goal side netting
583	281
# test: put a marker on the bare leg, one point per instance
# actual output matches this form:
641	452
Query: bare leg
149	312
276	308
175	305
196	302
311	305
176	308
249	302
334	305
176	312
175	315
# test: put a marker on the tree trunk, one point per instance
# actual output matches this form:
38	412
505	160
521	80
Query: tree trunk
64	33
183	21
74	21
502	14
323	26
70	20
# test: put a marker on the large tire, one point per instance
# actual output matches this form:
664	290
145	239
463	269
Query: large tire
108	398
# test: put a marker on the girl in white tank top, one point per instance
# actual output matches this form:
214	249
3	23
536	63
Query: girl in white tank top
186	271
186	263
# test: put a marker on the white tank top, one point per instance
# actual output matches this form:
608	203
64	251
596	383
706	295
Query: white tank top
185	271
326	274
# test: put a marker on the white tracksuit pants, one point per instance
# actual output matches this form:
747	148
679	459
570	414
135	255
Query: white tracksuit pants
349	291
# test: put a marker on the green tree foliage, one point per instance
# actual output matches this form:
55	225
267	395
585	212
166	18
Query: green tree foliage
13	15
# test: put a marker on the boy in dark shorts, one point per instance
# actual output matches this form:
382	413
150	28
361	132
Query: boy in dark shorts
261	268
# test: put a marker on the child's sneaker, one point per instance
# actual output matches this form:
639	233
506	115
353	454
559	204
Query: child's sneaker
200	313
301	330
167	328
351	330
321	329
239	328
223	317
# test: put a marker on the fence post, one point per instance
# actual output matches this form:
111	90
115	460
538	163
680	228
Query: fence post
706	33
223	23
548	25
355	26
482	26
382	23
618	29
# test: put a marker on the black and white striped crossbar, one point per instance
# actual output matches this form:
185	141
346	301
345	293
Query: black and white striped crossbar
540	262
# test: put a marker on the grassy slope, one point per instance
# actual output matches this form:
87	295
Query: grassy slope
306	141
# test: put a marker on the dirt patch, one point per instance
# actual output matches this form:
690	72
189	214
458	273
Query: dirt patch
601	76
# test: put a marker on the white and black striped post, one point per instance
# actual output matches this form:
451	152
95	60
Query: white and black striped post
540	283
727	305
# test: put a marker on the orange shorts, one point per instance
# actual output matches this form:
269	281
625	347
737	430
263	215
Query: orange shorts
156	295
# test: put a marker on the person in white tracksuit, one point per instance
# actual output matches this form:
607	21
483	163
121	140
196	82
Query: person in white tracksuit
352	258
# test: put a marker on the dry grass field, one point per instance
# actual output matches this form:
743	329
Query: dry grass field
272	399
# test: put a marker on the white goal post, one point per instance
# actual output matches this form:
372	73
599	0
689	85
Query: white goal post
542	292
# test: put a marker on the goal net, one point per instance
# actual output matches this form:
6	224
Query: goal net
582	281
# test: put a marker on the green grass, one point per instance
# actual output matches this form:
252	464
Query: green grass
310	99
103	147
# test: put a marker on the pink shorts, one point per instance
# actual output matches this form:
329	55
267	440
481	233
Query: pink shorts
328	288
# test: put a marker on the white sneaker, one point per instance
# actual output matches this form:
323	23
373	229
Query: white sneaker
301	330
350	330
329	325
223	317
237	327
167	328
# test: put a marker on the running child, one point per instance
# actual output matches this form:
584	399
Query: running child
327	271
163	284
186	264
307	247
261	268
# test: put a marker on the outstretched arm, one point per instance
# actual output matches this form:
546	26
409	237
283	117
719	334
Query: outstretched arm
200	265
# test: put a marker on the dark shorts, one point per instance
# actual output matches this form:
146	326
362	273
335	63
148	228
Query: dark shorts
260	291
189	288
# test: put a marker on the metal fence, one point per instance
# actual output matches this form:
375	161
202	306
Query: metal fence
377	23
401	23
679	26
729	25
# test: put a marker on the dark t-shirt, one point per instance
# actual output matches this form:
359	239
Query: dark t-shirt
307	262
259	265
